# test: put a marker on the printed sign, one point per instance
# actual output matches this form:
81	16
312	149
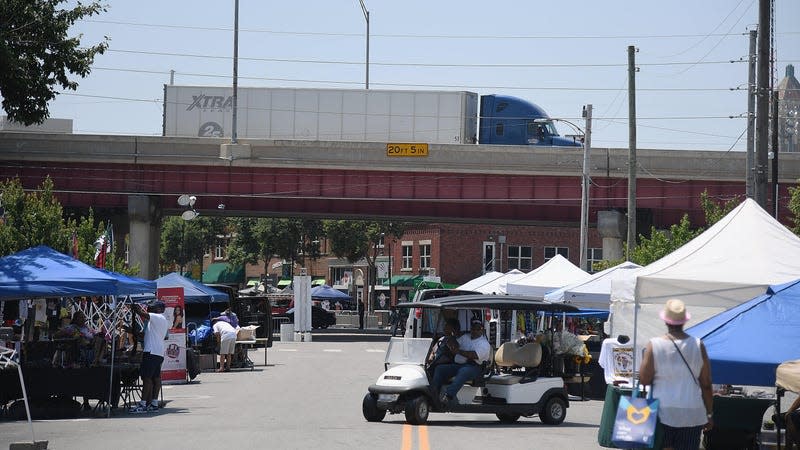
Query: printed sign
174	367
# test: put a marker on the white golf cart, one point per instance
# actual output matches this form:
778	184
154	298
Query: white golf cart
517	382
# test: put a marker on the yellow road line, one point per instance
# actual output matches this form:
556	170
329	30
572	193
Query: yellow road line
407	442
423	438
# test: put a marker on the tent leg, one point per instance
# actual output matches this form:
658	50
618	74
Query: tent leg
25	398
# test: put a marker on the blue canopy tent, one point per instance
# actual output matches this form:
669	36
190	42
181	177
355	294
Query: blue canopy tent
194	292
746	344
43	272
329	293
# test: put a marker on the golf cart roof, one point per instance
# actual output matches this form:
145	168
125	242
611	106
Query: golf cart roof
499	302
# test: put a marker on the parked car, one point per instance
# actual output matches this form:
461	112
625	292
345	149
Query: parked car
320	319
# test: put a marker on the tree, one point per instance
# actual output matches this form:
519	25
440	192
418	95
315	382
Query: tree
661	243
38	56
794	207
357	240
185	241
31	219
36	218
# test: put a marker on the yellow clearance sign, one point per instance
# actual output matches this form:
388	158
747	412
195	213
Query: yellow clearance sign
406	149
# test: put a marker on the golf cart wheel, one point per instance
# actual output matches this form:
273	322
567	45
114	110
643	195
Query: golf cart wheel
507	418
370	408
554	412
417	410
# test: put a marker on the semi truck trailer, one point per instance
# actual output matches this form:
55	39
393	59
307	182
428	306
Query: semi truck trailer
373	115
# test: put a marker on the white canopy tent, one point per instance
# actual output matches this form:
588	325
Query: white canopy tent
594	292
553	274
497	286
733	261
471	285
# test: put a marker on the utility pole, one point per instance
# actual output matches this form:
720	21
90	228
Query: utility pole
587	147
631	150
751	115
762	103
775	153
234	138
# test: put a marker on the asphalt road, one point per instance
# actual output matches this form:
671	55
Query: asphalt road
307	397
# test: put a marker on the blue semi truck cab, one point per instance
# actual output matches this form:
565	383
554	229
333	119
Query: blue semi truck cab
506	120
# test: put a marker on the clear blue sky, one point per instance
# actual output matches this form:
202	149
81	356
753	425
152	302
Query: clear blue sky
559	55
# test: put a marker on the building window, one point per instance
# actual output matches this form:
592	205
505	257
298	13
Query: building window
520	257
551	252
407	252
593	255
219	249
425	256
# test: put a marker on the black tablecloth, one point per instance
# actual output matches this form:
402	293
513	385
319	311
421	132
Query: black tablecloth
46	382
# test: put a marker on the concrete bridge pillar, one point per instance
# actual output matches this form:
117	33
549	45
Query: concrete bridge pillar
613	227
144	213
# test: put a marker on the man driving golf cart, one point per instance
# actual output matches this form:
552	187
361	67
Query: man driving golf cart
510	381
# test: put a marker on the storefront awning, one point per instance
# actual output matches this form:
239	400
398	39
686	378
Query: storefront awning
318	282
404	280
284	283
223	273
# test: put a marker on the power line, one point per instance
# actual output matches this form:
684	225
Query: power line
404	64
464	86
419	36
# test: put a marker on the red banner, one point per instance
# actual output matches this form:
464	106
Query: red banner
174	366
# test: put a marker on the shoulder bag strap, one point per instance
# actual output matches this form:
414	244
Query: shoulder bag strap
684	361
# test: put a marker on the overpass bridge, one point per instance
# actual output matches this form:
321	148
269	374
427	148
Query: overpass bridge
142	176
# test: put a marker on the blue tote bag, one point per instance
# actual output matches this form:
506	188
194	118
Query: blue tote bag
636	421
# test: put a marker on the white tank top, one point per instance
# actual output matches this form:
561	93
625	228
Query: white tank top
678	391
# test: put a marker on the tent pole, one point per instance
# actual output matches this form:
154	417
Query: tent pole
25	397
635	333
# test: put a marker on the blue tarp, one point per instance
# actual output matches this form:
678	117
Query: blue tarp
327	292
43	272
193	291
131	285
745	344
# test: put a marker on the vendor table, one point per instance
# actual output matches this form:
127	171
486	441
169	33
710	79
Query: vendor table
240	357
87	382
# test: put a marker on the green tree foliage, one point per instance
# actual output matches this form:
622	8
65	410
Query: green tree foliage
794	207
258	240
31	219
661	243
37	56
186	241
357	240
36	218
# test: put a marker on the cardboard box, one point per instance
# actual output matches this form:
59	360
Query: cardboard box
247	333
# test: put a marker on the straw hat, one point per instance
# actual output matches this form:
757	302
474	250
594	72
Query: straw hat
674	312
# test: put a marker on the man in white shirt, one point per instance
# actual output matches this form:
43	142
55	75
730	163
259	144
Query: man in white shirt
473	350
226	337
155	333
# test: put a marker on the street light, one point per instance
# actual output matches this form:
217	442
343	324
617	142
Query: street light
189	214
587	145
366	17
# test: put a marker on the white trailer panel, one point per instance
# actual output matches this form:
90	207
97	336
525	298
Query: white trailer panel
436	117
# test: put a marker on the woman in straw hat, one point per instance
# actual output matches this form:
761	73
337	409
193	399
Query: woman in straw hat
676	367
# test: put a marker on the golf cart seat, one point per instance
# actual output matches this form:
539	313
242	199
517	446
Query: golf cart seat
512	356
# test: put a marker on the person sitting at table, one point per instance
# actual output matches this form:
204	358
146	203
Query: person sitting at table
87	341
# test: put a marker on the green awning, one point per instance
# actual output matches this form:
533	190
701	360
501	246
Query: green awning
223	273
318	282
284	283
404	280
